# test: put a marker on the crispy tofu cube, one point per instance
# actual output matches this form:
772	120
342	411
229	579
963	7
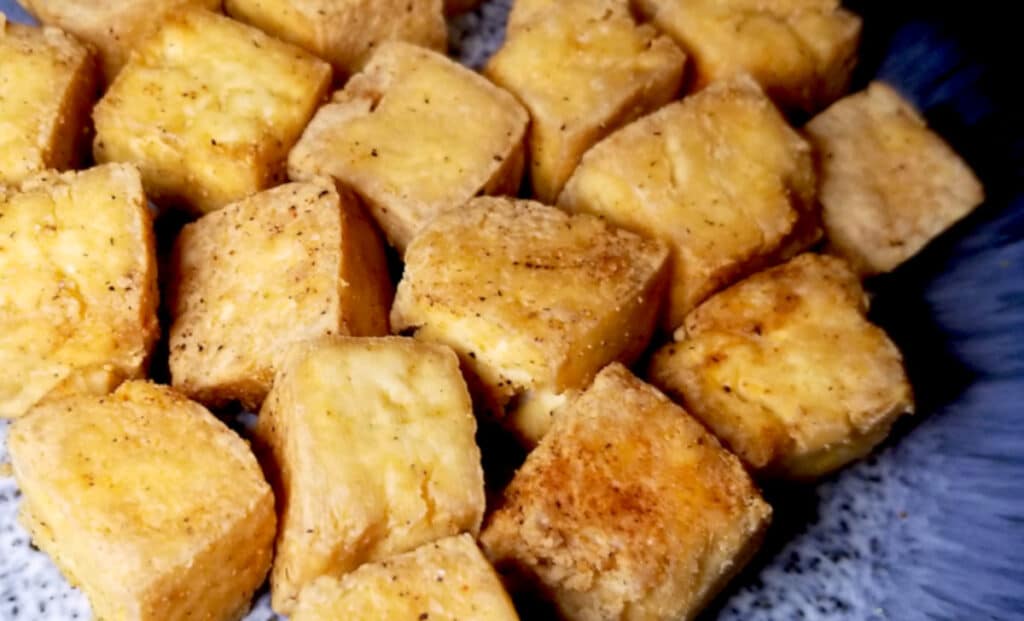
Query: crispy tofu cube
801	51
415	133
628	509
787	371
345	32
720	176
443	581
371	442
285	265
889	185
208	108
583	68
78	292
146	502
534	301
47	85
112	27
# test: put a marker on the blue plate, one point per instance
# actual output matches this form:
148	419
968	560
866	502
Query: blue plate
932	526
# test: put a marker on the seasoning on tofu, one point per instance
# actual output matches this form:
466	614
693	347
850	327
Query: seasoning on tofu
628	509
289	264
78	288
889	185
534	300
785	368
207	109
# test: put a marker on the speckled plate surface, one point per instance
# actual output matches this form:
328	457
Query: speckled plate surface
932	527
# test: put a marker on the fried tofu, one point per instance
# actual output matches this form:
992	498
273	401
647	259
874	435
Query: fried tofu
47	85
346	32
785	368
146	502
112	27
534	301
582	68
448	580
801	51
889	185
628	509
720	176
208	108
78	292
285	265
414	134
372	447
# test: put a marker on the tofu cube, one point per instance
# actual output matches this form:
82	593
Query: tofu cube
111	27
47	85
371	442
720	176
415	133
208	108
533	300
628	509
346	32
444	581
285	265
146	502
582	68
78	289
801	51
787	371
889	185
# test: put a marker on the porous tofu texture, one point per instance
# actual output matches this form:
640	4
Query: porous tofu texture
285	265
146	502
448	580
802	51
582	68
534	301
208	108
372	446
112	27
346	32
414	134
720	176
78	292
889	185
787	371
47	85
628	509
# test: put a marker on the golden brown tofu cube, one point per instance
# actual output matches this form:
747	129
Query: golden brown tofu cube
889	185
208	108
112	27
47	85
285	265
371	442
801	51
787	371
78	292
720	176
346	32
583	68
628	509
448	580
534	301
146	502
415	133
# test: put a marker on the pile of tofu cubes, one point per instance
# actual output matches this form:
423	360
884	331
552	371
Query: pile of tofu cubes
669	308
